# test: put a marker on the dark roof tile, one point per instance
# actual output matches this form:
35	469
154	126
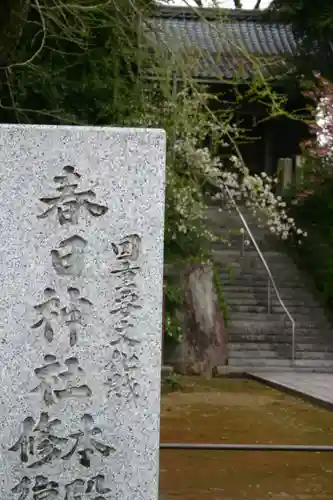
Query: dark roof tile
221	41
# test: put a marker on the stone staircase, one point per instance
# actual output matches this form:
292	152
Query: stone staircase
258	339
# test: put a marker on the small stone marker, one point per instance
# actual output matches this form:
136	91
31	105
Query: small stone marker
81	270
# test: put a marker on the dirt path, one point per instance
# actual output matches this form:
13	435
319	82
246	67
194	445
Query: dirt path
235	411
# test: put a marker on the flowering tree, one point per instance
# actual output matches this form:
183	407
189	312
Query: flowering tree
193	168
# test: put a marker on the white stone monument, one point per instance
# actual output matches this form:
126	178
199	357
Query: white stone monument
81	270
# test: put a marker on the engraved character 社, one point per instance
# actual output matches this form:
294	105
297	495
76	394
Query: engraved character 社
40	489
69	201
67	258
85	443
88	489
37	444
56	384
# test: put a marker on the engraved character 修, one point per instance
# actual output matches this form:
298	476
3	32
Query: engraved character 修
69	201
42	489
56	384
38	444
91	489
86	444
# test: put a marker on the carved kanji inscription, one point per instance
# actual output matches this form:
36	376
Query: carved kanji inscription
59	382
69	201
38	489
52	314
86	445
39	442
68	258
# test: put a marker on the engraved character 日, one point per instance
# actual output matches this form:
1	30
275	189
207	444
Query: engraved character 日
67	258
41	490
69	201
86	444
37	444
91	489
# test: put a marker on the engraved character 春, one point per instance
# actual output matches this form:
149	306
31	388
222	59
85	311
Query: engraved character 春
121	379
69	201
48	313
42	489
91	489
57	384
67	258
72	314
86	444
38	444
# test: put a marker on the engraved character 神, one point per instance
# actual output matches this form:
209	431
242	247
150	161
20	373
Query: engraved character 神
73	313
37	444
69	201
56	384
52	313
48	312
86	444
41	490
91	489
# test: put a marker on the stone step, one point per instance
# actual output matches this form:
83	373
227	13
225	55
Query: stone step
300	310
290	304
269	367
262	350
253	317
275	364
231	277
238	293
283	337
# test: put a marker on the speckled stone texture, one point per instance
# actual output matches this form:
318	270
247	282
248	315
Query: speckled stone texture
81	266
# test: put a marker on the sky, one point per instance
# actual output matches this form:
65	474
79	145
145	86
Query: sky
228	4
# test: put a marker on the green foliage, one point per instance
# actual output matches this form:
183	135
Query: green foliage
174	299
75	64
314	212
312	23
219	291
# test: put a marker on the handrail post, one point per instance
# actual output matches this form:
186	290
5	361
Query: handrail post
242	244
293	344
269	297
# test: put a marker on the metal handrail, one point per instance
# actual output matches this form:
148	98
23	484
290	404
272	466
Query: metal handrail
270	276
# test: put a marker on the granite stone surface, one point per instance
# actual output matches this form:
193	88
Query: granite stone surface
81	267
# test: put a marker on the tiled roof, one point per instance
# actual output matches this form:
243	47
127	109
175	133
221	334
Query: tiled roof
220	43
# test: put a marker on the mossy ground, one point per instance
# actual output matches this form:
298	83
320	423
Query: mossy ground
241	411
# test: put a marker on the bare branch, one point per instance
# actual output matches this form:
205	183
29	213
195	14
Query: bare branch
257	5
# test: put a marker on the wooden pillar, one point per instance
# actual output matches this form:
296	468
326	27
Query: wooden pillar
268	156
285	173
